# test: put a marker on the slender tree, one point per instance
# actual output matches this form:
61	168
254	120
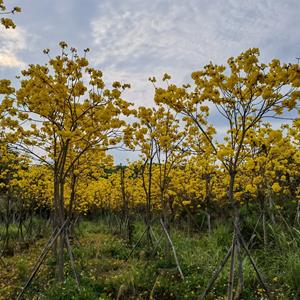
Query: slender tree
70	112
243	94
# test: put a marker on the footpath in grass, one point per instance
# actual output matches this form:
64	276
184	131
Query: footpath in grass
106	273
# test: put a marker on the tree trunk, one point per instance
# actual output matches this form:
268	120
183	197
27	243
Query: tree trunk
236	252
264	228
55	211
208	223
271	204
7	223
297	217
61	238
130	230
240	285
231	273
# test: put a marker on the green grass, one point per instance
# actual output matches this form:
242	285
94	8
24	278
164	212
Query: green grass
105	273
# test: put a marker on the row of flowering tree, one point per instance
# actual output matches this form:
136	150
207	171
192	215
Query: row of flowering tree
63	120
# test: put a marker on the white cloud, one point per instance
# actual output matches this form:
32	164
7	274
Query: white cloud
187	32
141	38
12	41
10	60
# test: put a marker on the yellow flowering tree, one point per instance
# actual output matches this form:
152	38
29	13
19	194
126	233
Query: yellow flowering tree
243	93
34	189
267	168
139	136
70	112
8	22
294	183
11	165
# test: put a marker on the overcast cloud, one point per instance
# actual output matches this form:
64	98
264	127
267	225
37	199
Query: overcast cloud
131	40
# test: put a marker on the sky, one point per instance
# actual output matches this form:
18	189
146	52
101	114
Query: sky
131	40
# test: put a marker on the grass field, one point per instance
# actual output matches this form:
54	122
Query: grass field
106	273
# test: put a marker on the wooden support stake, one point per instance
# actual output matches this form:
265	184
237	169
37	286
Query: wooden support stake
42	257
259	275
137	243
232	265
173	248
216	273
72	261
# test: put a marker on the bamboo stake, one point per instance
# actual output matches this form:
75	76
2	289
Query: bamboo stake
240	285
231	274
259	275
216	273
72	261
137	243
41	258
173	249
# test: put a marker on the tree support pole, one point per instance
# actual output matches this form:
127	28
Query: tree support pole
41	258
240	285
137	243
237	243
173	248
259	275
148	229
72	261
216	273
231	274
